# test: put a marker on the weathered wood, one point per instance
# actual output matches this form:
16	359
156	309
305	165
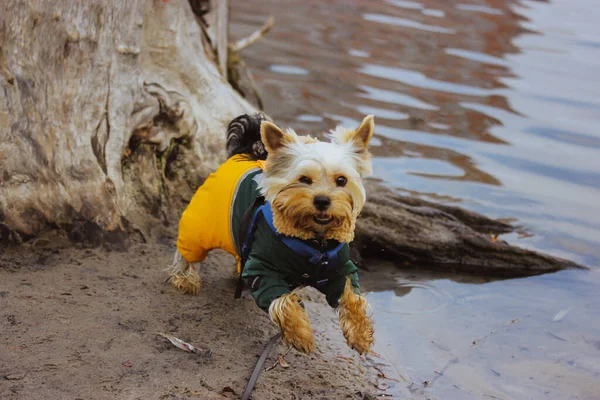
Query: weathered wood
238	74
254	37
416	233
108	112
222	29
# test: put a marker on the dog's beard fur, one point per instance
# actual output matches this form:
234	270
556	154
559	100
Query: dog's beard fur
293	158
294	213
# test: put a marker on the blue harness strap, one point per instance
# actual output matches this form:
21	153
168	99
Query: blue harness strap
327	260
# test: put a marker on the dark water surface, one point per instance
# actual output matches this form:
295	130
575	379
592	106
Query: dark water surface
493	105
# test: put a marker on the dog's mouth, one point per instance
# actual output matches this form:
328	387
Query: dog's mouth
322	219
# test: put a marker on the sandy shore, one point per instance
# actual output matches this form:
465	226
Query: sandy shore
81	324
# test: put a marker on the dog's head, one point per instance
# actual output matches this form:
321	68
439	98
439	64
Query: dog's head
315	188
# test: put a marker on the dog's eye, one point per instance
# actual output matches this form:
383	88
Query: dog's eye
341	181
305	179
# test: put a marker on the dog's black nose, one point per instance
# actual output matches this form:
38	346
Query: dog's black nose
322	203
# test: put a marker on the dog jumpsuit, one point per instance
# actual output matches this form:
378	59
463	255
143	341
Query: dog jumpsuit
213	220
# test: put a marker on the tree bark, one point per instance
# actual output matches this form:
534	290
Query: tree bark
113	112
109	113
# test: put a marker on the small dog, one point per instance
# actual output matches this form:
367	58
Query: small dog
285	206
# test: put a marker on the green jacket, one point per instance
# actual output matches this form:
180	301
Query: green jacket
272	268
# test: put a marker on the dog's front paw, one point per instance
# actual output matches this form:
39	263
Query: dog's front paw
291	318
356	325
358	331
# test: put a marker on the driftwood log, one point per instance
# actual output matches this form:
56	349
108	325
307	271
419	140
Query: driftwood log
112	113
416	233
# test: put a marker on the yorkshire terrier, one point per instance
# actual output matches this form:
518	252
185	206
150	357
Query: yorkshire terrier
285	206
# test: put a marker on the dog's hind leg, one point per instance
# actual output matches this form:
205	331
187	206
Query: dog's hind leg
292	319
356	325
184	276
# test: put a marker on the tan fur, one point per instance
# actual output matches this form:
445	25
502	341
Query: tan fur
307	139
187	281
292	319
344	135
293	202
365	131
356	325
274	138
184	276
361	136
293	216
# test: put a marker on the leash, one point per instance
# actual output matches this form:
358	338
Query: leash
259	366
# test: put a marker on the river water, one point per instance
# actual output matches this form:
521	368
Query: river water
492	105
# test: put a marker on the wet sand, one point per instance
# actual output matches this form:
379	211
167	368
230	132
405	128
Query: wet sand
82	323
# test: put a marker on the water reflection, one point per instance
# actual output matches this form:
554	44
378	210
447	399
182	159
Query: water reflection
288	69
492	104
508	339
390	97
414	78
479	8
409	23
477	56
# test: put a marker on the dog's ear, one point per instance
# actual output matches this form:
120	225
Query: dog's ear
364	133
360	136
274	138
